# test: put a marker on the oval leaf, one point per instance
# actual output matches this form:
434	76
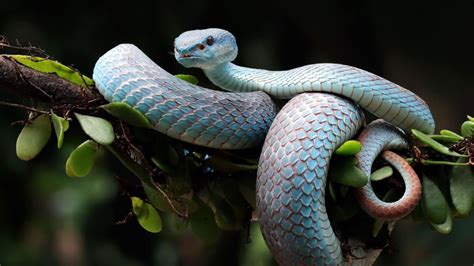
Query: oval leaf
224	215
53	67
203	224
450	133
33	137
417	213
446	226
444	138
99	129
179	223
467	129
435	206
349	148
146	215
180	183
127	114
189	78
432	162
247	189
60	126
461	187
434	144
163	165
157	199
378	223
332	191
81	160
343	170
382	173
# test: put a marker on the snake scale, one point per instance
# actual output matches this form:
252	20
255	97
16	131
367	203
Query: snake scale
298	140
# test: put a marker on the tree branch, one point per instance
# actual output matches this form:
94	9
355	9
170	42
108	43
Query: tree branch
57	92
20	80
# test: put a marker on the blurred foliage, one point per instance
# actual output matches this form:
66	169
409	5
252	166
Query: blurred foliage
414	44
196	185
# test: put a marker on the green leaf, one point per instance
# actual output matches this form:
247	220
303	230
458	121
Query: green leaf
226	188
173	156
450	133
179	223
156	198
53	67
434	205
223	165
344	210
417	213
344	170
33	137
467	129
224	215
446	226
147	216
127	114
434	144
382	173
332	191
247	189
470	118
378	223
232	195
344	191
203	224
180	182
61	125
461	187
432	162
132	166
99	129
444	138
189	78
81	160
163	165
349	148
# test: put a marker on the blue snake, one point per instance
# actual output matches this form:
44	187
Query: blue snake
298	141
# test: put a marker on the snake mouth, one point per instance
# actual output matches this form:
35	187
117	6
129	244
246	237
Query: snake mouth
189	60
190	57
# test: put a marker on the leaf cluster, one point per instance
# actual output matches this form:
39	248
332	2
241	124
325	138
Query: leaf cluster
210	190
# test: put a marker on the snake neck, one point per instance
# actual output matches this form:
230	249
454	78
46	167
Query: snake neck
231	77
375	94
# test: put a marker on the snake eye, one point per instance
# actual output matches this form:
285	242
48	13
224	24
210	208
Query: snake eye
201	46
210	40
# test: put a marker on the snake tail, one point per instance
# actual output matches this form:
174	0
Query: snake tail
291	177
375	138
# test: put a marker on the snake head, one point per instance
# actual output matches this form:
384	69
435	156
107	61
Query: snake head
205	48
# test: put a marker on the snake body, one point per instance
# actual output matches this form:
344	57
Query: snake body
376	137
179	109
295	156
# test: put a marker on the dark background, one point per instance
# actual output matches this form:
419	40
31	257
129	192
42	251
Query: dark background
49	219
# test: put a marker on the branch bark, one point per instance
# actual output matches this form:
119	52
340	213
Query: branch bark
55	91
21	80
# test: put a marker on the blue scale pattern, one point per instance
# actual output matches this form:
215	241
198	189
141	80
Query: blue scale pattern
179	109
291	177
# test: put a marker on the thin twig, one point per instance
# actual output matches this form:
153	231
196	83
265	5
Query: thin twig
125	220
30	48
29	108
184	215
